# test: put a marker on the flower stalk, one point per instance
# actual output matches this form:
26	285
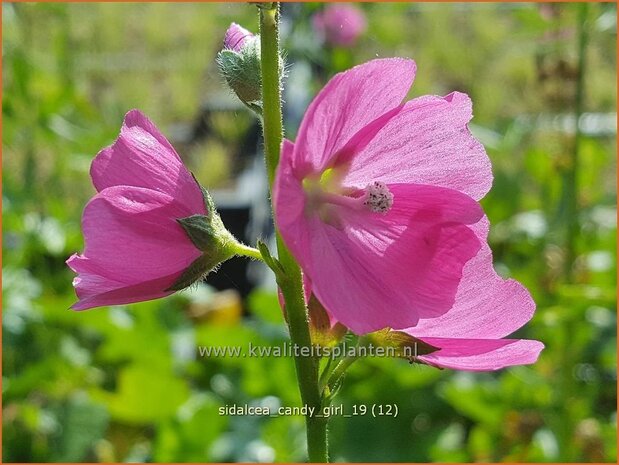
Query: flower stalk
290	281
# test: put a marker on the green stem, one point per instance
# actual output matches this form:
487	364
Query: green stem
247	251
571	176
271	86
290	282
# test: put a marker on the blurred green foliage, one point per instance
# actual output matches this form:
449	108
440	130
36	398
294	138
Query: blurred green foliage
127	384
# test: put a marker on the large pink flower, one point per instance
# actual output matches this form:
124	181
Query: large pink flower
375	197
135	248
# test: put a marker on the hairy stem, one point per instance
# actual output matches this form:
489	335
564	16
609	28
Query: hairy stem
290	281
247	251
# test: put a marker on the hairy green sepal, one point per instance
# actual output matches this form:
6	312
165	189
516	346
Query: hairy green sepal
405	345
210	236
241	70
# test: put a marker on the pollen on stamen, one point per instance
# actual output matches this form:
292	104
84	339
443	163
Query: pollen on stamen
378	197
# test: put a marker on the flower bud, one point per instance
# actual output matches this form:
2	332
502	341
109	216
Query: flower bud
325	331
239	64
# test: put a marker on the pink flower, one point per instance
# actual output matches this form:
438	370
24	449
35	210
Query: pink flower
375	197
236	36
340	24
135	248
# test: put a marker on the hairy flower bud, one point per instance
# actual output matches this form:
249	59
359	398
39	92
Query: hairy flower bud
324	332
403	344
239	64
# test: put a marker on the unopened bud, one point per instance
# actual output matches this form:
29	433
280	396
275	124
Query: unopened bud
239	64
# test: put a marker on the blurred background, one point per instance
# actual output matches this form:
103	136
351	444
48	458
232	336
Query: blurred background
127	384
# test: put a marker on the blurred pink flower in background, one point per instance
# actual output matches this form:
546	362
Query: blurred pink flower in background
135	250
375	197
236	36
340	24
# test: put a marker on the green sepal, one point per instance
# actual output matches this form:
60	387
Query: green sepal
242	73
209	235
209	203
194	272
199	230
406	346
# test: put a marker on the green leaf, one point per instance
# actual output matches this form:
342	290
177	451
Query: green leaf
145	395
84	423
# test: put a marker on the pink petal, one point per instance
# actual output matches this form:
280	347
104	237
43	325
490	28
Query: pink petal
427	142
101	294
486	306
307	293
289	203
481	354
349	102
363	137
132	239
388	270
235	37
142	157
